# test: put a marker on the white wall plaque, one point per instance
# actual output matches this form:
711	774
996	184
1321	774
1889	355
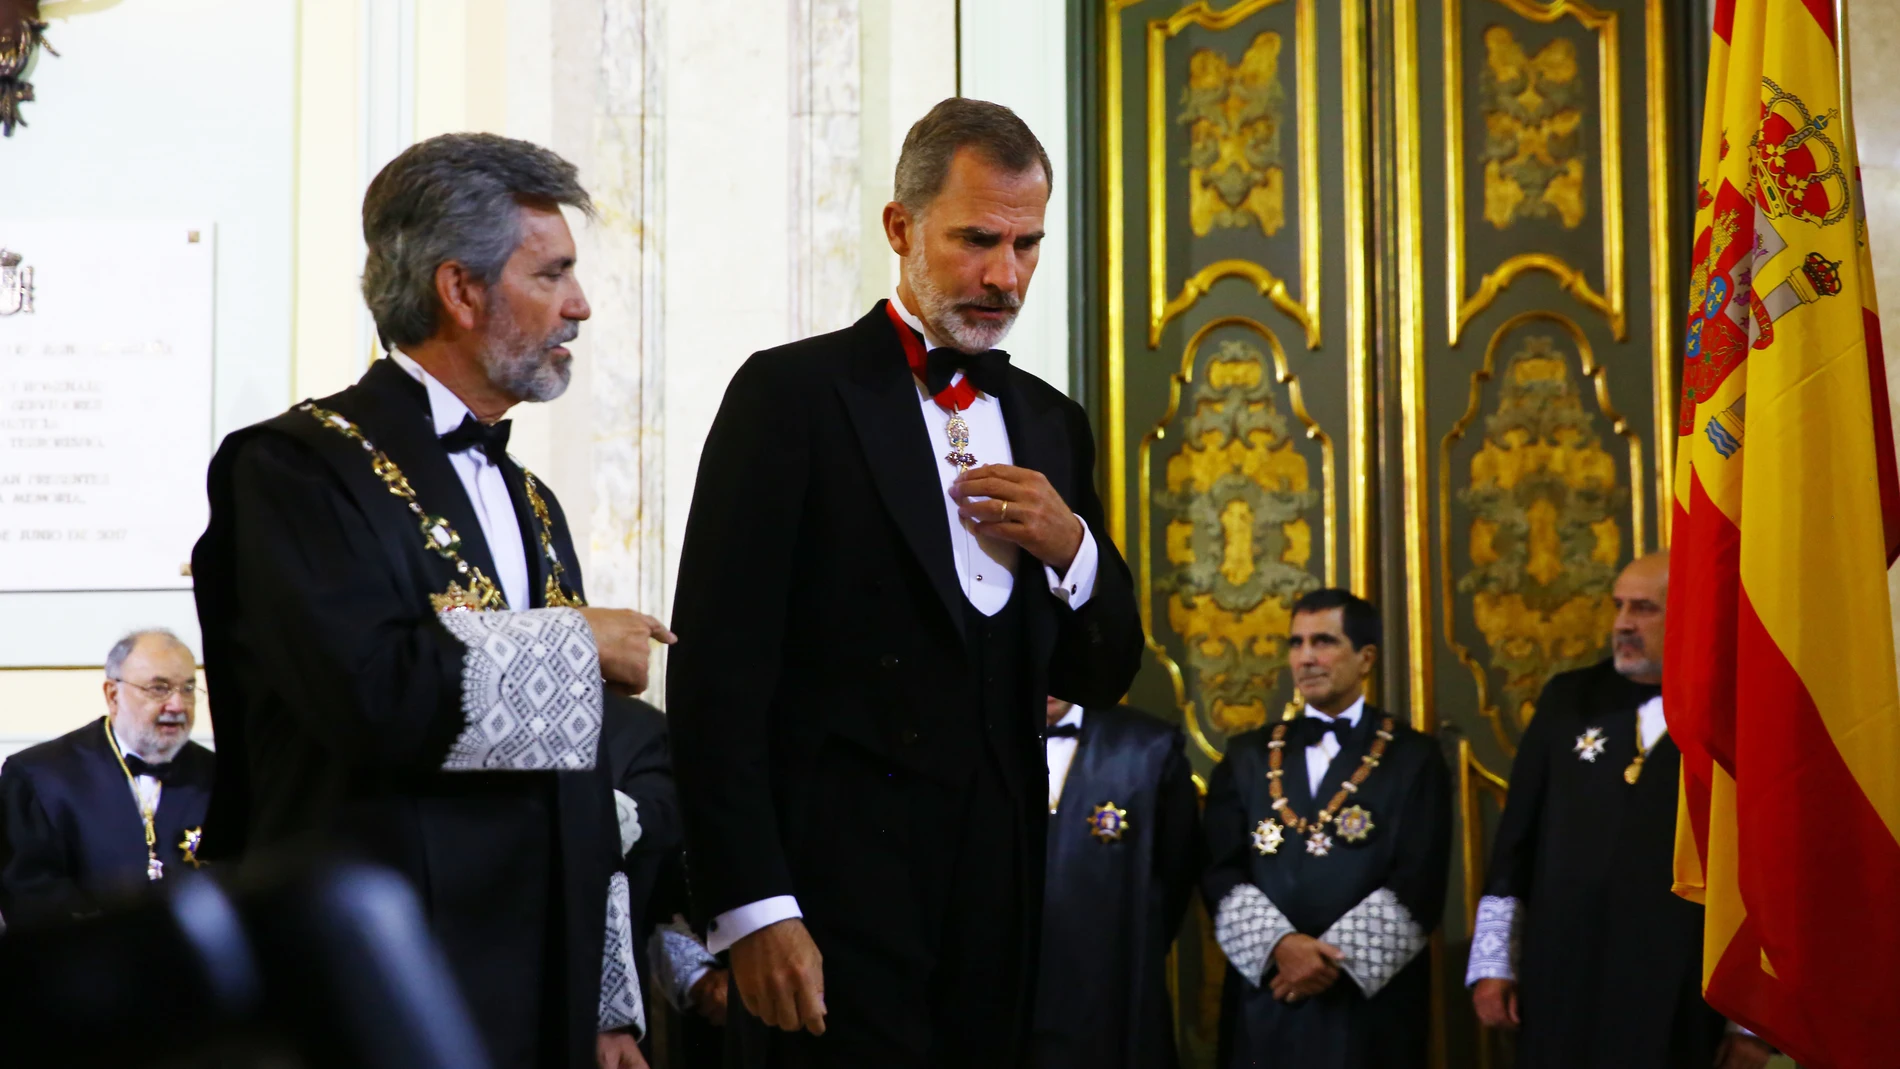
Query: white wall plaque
105	402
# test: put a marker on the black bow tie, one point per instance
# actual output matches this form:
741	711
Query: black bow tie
1065	731
491	439
987	371
1338	729
138	766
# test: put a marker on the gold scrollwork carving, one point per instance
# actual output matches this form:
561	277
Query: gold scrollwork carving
1259	183
1530	130
1544	542
1234	114
1533	158
1239	545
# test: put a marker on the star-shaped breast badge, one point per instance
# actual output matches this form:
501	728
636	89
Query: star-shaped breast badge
1590	744
1108	823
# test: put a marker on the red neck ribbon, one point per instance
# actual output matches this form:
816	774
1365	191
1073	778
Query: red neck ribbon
954	398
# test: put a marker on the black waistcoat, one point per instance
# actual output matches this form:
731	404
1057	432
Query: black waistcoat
995	648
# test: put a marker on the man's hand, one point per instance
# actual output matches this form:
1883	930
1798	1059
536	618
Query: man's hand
1496	1003
781	977
618	1050
1022	508
1306	967
1742	1052
624	639
708	996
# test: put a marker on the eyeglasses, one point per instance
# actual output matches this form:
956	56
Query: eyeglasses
163	690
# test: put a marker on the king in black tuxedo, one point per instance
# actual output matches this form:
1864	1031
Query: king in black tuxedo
866	645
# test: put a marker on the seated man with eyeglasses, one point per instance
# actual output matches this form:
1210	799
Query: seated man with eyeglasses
117	803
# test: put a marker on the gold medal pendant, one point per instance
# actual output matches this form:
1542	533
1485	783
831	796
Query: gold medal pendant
958	432
1319	844
1634	772
154	869
1108	823
1355	823
1267	836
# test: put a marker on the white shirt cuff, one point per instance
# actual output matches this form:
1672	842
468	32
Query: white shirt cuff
1075	588
1494	940
735	924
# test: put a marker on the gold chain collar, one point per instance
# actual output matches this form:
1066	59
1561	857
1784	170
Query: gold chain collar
1299	824
481	594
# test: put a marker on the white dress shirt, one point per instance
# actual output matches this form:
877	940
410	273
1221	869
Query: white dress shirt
145	789
986	569
487	490
1650	723
1061	754
1320	757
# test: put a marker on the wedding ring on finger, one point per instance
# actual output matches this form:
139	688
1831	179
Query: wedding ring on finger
1000	516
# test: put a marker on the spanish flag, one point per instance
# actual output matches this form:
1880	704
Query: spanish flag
1779	679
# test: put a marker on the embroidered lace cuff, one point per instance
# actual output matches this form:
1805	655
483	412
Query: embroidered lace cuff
1247	926
1379	938
678	961
1494	940
627	812
619	983
530	691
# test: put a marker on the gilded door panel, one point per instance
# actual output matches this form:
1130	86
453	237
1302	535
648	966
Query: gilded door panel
1236	359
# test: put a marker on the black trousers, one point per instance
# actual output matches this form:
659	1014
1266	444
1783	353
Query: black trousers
949	984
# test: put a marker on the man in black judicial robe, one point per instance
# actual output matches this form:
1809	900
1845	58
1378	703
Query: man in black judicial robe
1579	942
634	748
390	606
72	816
1125	851
868	632
1324	898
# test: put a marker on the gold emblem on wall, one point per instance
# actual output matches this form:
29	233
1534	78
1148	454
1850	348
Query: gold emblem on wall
1234	114
1237	537
1533	152
1543	499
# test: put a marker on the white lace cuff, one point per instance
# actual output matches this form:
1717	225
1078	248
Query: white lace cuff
1494	940
1379	938
1247	927
678	961
530	691
627	812
619	983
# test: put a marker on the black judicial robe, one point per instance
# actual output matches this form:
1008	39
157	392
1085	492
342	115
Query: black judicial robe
336	694
825	692
70	829
1610	967
633	746
1112	905
1408	851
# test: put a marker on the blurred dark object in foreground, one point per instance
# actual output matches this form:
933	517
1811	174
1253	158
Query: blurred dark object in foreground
329	967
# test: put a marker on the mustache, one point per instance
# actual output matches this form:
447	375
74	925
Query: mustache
567	333
1006	302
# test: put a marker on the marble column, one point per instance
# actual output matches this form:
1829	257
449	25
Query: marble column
825	147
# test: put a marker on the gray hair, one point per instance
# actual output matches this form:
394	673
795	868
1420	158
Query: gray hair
959	122
115	657
454	198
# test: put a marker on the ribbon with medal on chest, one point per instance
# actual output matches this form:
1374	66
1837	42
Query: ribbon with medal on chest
981	371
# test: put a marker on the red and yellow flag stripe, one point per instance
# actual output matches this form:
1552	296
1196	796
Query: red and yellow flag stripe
1779	675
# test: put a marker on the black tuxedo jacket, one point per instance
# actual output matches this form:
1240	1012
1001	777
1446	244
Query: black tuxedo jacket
337	694
70	829
818	601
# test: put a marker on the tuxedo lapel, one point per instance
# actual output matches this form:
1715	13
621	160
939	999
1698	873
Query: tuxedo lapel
1036	438
881	397
394	413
